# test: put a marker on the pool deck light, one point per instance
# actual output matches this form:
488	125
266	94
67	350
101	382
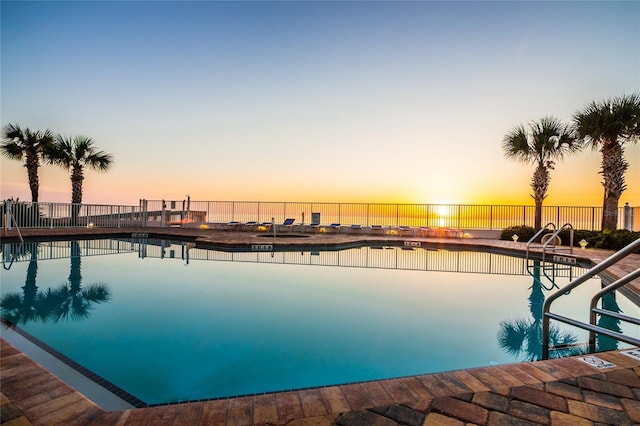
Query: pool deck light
515	238
583	243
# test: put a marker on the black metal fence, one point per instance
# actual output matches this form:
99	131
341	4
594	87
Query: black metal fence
166	213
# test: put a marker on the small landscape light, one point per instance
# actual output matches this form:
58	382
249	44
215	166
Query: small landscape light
515	238
583	243
322	230
90	225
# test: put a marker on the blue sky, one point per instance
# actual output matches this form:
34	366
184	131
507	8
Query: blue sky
313	101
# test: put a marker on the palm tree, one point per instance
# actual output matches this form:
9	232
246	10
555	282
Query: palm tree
544	141
32	146
77	154
608	125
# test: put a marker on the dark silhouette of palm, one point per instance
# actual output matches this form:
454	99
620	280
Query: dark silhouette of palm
523	336
68	301
23	308
541	144
608	125
32	146
78	154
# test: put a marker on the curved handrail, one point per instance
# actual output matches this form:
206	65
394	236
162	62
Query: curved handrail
596	298
553	238
536	235
615	257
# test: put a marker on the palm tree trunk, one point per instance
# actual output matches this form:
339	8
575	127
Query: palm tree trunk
613	170
539	184
32	164
76	193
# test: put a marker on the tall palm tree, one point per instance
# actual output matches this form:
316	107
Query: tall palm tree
32	146
542	143
76	154
608	125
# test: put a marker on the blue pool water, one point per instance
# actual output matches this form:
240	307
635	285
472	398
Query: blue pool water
169	322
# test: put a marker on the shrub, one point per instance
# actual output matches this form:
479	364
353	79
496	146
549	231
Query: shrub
523	232
609	240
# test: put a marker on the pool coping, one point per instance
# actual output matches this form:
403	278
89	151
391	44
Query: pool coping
367	399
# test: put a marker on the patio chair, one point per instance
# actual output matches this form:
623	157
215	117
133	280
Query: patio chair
288	223
355	228
407	230
377	229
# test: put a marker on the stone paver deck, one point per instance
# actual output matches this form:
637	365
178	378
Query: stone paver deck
558	392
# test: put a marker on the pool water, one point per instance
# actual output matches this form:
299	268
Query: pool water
168	322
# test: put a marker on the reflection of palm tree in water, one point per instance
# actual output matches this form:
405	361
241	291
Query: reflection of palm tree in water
23	308
523	336
604	343
69	300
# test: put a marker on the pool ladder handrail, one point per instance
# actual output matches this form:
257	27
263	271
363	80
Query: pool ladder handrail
591	327
552	239
535	237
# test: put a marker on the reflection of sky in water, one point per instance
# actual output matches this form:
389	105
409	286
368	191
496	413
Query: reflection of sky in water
210	329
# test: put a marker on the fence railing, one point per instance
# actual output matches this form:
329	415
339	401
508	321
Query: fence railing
458	216
164	213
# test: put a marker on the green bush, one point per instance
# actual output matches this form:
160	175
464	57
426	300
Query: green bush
523	232
609	240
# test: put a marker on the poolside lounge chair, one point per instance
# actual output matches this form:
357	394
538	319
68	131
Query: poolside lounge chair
312	227
425	232
407	230
355	228
288	223
333	228
250	226
376	229
232	226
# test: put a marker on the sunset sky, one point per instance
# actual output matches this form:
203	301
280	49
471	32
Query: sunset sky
402	102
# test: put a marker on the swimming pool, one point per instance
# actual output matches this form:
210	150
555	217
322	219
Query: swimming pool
167	321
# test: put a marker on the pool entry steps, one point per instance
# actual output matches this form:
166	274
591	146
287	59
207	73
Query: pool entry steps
594	310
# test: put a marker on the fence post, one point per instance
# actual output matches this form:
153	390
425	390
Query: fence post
628	217
7	216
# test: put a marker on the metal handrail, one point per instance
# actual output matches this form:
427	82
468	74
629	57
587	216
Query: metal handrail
535	236
594	311
553	238
614	258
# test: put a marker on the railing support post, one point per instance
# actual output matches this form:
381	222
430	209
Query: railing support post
628	217
7	215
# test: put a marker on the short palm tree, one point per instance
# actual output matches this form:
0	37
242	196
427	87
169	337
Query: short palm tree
608	125
542	143
32	146
76	154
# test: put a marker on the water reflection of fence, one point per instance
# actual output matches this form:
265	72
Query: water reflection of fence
379	257
165	213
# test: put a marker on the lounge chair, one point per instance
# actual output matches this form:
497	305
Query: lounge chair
232	226
354	228
377	229
250	226
312	227
288	223
334	227
425	231
407	230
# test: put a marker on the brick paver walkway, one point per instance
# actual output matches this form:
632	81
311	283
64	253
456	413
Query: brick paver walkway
564	391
